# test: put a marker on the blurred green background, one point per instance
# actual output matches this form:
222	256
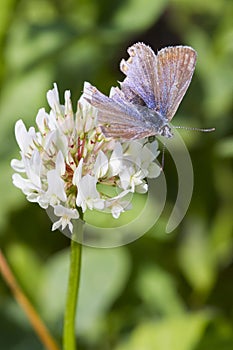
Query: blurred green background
164	291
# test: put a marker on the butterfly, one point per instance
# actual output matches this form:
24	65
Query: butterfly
149	96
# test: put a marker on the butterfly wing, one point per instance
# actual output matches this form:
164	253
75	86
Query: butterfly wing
117	117
157	82
141	74
160	81
175	67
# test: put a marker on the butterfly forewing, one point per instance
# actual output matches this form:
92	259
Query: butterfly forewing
141	74
175	67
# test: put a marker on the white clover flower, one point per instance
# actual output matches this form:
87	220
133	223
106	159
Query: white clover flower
66	215
88	196
117	205
64	162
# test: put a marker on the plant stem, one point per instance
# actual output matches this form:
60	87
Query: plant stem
69	341
38	325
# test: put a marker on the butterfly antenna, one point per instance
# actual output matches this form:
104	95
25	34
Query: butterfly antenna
194	129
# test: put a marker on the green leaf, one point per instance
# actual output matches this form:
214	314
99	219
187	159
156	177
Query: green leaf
222	237
27	268
138	14
7	7
157	289
104	273
176	333
196	259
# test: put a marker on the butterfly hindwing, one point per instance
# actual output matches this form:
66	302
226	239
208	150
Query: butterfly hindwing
118	118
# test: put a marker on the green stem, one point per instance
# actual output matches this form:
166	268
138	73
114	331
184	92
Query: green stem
69	341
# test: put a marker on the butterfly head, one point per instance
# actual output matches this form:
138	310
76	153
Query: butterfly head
165	131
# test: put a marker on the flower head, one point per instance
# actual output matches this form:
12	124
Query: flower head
63	164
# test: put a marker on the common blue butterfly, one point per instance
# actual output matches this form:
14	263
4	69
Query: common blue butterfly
150	94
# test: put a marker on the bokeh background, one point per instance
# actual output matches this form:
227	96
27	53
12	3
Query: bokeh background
164	291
